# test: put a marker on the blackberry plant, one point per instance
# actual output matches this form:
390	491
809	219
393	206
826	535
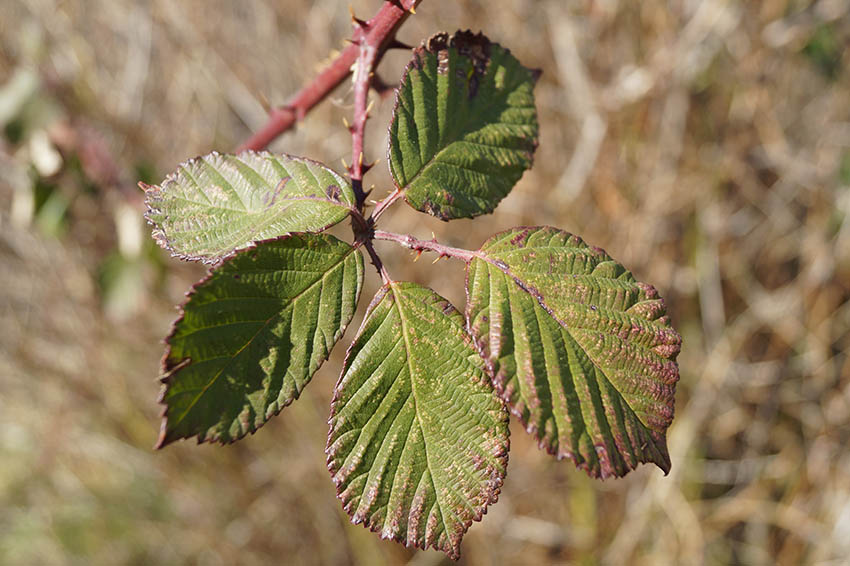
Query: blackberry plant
554	330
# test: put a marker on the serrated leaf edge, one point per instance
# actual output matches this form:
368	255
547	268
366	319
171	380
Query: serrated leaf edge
661	439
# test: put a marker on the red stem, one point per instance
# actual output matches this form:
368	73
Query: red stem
383	205
365	63
414	244
379	34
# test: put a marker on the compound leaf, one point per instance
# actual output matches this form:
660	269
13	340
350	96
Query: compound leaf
253	333
215	204
581	351
418	439
464	127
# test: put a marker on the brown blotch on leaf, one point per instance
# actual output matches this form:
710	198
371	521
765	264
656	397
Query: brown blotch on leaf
437	42
473	46
269	199
476	48
520	239
434	209
333	192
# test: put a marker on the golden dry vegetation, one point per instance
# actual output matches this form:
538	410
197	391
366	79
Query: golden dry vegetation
705	144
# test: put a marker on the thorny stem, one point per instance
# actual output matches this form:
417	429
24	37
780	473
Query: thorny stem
370	41
376	261
379	34
365	63
368	55
420	246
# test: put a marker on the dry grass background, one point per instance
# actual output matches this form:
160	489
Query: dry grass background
705	144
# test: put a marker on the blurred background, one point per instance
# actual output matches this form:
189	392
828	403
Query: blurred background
704	144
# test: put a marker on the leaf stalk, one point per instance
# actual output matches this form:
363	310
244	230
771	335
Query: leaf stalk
383	205
366	59
409	242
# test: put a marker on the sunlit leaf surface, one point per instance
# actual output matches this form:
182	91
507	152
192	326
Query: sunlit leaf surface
464	128
583	353
215	204
418	440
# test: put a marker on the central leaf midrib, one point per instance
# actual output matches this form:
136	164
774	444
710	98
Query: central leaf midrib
462	496
261	329
255	211
437	155
404	333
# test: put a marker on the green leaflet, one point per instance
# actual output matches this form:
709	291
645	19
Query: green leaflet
215	204
464	128
253	333
582	352
418	440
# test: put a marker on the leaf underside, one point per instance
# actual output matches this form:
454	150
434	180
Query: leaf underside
581	351
253	333
215	204
418	439
464	127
